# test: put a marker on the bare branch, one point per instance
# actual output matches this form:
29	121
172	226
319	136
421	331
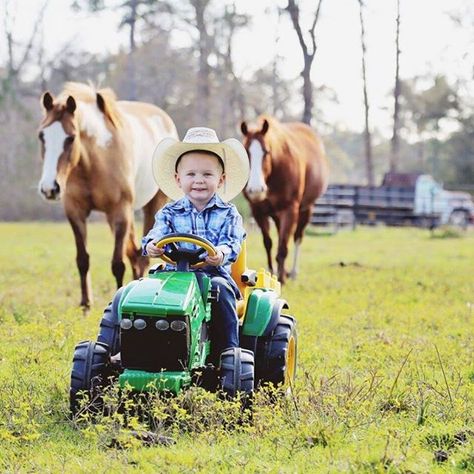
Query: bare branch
313	27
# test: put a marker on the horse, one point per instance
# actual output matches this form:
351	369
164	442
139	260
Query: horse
288	172
97	154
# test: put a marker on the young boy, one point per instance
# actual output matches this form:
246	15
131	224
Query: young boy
201	174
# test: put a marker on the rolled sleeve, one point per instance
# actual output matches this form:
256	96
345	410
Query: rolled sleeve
230	238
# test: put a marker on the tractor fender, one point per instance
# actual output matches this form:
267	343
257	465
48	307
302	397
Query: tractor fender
263	309
275	316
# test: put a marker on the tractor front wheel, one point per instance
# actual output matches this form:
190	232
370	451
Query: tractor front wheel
88	375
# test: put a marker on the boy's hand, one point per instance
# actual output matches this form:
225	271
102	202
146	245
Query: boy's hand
216	260
152	250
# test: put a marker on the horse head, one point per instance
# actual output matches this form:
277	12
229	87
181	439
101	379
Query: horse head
59	137
259	153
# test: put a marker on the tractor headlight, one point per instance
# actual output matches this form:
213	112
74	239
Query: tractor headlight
126	324
162	325
178	325
139	324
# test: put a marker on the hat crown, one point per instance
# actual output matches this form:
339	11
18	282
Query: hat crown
201	135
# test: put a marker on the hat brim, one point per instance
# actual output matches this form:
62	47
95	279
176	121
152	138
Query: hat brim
230	151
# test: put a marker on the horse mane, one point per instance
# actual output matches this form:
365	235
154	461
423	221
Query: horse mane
276	134
89	94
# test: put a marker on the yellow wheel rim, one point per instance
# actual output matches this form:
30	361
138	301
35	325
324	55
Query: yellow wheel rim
290	365
167	240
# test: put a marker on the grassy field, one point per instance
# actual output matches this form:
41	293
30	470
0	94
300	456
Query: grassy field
385	378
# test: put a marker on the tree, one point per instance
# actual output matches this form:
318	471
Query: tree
424	109
367	136
134	10
15	67
309	53
395	142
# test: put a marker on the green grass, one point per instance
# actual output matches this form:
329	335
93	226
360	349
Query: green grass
385	376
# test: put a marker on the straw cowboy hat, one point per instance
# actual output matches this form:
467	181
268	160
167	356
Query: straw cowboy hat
230	151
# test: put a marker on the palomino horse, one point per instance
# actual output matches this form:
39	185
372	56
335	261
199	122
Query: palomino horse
288	172
97	156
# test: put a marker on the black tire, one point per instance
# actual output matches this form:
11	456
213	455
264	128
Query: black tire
459	218
109	332
275	360
237	371
88	375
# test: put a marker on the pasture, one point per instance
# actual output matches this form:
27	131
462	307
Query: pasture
385	379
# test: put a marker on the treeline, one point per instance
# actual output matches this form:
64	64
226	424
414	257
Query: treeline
197	84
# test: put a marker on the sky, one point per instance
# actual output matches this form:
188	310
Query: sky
430	43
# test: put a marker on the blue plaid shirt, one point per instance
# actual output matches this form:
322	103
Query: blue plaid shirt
219	222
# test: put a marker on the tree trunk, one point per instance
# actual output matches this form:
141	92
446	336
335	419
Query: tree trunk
307	90
367	135
203	86
395	142
132	76
308	56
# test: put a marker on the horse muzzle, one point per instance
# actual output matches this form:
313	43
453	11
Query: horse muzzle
256	196
51	194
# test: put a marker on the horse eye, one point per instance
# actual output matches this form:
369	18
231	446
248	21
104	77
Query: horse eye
68	140
41	136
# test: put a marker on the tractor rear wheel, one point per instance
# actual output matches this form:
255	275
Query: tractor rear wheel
109	331
276	354
88	376
237	371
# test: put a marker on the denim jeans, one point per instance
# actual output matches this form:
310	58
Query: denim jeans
224	320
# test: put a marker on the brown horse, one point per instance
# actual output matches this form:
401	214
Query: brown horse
97	156
288	172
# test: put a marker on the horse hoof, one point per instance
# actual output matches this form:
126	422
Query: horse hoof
86	307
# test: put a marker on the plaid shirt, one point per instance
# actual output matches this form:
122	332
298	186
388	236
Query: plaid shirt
218	222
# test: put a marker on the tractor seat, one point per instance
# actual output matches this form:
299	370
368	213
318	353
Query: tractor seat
244	278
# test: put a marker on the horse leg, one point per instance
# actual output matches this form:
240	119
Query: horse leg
133	253
264	224
303	220
78	224
287	219
120	222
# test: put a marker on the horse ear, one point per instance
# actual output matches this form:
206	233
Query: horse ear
47	100
265	127
243	128
100	102
70	104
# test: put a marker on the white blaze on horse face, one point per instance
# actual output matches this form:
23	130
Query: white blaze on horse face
93	124
54	136
256	186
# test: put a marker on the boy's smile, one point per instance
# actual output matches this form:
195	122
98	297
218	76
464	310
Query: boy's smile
199	175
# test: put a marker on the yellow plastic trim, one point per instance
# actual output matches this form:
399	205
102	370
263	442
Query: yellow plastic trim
290	362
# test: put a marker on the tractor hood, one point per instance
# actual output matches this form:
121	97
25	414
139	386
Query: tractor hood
167	293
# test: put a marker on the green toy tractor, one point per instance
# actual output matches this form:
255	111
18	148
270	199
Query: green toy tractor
156	332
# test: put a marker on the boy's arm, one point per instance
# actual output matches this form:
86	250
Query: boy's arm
160	228
230	237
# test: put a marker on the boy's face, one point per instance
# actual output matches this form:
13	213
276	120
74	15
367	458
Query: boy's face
199	175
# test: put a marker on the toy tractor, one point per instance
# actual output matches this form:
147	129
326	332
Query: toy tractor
156	334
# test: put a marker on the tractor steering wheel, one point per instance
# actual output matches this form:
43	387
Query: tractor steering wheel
185	258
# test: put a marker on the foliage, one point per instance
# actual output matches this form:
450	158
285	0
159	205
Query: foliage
385	364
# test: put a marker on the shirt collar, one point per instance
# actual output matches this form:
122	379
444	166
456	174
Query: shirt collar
185	203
